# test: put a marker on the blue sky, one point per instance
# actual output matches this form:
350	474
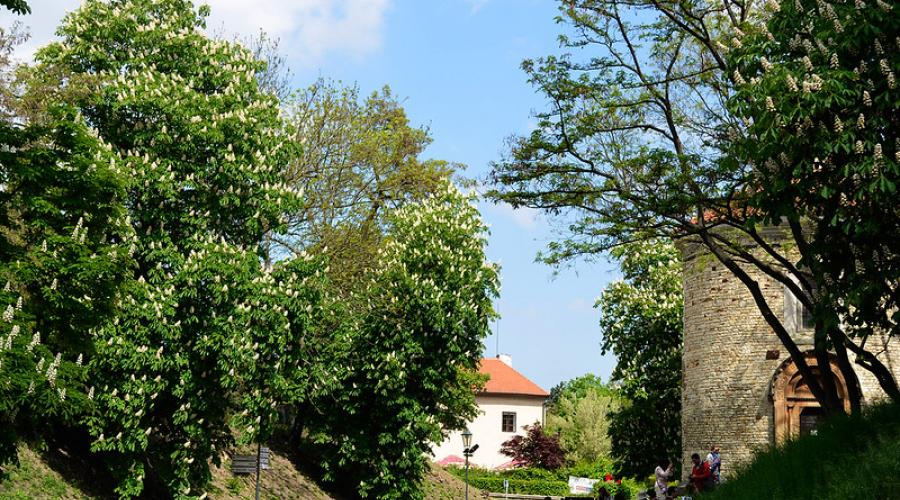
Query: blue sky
455	63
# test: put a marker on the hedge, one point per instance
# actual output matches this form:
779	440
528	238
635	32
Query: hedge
523	486
534	481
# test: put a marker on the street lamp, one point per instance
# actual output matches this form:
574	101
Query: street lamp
468	450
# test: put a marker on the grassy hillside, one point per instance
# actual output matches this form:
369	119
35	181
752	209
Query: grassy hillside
53	476
855	457
35	479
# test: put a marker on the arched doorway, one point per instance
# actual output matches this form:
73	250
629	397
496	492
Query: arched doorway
797	413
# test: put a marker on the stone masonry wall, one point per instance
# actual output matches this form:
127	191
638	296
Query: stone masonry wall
725	399
730	358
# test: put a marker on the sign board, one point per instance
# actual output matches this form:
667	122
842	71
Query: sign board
581	484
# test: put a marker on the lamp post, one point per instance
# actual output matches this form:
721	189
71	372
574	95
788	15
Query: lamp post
468	450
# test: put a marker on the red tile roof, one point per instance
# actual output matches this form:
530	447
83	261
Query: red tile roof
450	460
505	380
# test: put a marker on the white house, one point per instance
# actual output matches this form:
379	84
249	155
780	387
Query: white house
509	402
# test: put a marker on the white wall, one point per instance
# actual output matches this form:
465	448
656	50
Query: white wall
487	428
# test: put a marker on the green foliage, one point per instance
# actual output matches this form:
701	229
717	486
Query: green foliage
852	457
61	218
411	355
641	320
536	481
145	193
578	387
360	159
645	109
579	416
523	486
817	86
207	338
17	6
627	147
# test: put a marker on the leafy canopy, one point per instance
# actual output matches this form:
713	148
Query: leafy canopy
409	371
641	322
207	339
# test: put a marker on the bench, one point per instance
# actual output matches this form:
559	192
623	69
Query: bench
246	464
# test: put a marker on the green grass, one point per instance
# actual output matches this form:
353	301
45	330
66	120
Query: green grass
43	476
34	479
854	457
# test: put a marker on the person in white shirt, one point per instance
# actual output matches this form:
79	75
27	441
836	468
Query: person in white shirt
714	459
664	472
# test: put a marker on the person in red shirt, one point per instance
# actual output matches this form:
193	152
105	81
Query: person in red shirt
700	474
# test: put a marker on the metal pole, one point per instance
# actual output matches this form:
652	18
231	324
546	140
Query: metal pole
258	467
466	453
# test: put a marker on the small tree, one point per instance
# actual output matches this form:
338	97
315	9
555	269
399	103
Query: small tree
641	321
578	412
535	448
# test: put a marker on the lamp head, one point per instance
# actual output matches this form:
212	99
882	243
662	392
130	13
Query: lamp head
467	438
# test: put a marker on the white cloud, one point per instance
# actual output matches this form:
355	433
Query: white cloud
524	217
309	30
579	304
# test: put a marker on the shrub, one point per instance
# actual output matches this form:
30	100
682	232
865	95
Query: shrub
852	457
535	481
535	448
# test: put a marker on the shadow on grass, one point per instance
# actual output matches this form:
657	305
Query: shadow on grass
306	457
73	460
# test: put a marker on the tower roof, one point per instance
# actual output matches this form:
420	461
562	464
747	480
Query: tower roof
505	380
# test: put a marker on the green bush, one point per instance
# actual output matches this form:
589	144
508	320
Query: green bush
534	481
523	486
852	457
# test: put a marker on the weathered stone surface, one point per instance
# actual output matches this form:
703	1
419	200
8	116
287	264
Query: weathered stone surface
730	358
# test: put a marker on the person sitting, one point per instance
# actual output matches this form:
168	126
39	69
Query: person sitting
701	477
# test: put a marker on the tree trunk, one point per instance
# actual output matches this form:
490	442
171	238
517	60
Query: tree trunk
854	391
825	374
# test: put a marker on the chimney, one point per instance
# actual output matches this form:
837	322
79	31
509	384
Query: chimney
506	358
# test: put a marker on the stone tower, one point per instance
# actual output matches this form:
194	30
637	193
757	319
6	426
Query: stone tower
741	390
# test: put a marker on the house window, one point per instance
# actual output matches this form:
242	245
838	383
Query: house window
797	317
509	421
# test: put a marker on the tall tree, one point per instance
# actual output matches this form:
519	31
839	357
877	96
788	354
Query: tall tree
637	145
62	219
361	158
817	87
410	364
208	339
62	222
641	321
